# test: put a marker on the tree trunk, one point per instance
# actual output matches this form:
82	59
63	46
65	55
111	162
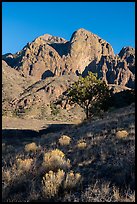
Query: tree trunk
87	112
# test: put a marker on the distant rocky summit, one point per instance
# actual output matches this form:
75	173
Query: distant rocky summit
49	56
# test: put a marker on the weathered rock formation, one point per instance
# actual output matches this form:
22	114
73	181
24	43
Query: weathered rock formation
13	84
49	56
116	71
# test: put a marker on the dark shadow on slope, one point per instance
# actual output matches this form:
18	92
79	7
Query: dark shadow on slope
19	136
61	48
15	133
46	74
90	68
55	128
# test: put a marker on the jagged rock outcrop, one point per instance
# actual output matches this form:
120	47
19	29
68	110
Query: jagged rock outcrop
119	70
49	56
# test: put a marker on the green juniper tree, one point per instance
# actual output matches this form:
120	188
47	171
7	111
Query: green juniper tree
90	93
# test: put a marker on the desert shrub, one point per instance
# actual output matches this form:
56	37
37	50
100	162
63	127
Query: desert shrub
55	159
121	134
15	174
31	147
24	165
71	180
54	109
81	144
51	182
90	93
64	140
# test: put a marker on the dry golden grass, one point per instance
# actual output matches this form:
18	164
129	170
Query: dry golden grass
64	140
55	159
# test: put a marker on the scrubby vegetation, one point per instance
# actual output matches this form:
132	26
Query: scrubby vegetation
64	140
90	162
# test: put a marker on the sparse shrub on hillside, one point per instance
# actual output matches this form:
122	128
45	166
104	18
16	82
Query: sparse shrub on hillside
90	93
51	182
25	164
55	159
121	134
71	180
19	112
64	140
81	144
31	147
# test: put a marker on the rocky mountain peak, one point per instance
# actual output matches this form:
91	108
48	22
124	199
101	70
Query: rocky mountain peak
47	38
49	56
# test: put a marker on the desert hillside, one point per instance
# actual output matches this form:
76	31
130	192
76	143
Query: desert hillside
96	159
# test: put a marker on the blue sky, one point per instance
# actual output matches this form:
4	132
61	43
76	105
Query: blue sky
22	22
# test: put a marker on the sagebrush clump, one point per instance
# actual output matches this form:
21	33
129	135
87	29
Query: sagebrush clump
31	147
25	164
81	144
55	159
121	134
71	180
64	140
51	182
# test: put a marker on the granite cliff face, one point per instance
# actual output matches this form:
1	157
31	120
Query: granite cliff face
49	56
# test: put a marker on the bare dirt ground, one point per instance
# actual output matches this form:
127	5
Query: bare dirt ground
30	124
